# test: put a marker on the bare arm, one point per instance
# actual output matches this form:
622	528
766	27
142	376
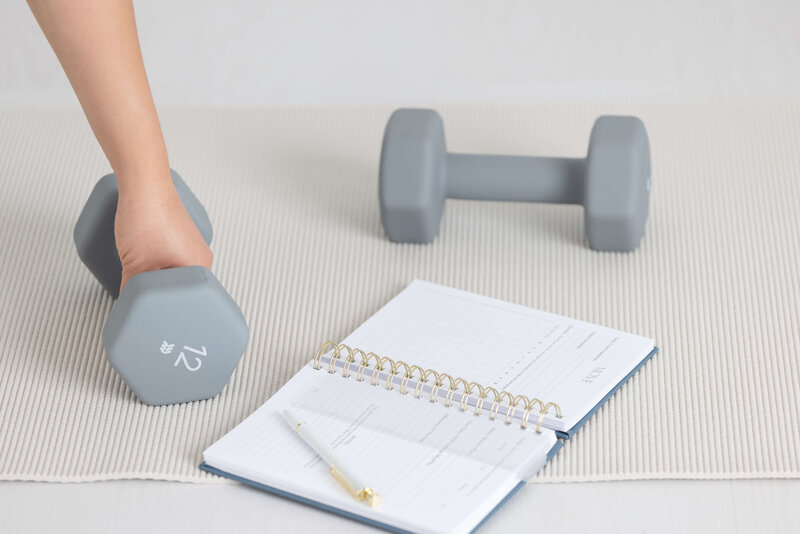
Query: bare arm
98	47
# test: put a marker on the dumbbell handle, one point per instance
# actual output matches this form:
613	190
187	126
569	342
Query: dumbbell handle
516	178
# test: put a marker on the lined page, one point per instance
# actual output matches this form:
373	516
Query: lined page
437	469
506	346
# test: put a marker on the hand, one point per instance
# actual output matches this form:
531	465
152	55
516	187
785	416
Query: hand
97	45
154	231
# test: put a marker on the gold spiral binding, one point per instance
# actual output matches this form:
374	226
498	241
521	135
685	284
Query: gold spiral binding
349	360
436	384
420	383
393	373
322	350
498	400
450	380
511	406
409	376
378	369
332	363
449	397
527	412
480	399
362	366
393	368
544	411
488	390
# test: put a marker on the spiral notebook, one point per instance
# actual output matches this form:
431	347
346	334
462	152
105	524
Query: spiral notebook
446	401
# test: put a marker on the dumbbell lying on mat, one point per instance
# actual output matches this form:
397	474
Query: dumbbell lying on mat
173	335
417	174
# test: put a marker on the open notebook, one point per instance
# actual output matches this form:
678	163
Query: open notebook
446	401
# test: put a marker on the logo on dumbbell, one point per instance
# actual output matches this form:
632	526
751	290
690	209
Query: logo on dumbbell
167	348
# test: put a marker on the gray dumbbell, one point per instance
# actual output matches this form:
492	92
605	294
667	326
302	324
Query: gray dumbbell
173	335
417	174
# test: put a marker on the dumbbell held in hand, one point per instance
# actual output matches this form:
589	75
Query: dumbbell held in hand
417	174
173	335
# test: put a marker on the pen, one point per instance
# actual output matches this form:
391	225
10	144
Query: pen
343	474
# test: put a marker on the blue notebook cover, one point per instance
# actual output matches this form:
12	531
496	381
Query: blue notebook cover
293	496
571	432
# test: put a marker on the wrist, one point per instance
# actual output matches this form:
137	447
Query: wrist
146	184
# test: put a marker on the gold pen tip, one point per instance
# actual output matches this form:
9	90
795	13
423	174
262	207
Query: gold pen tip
370	497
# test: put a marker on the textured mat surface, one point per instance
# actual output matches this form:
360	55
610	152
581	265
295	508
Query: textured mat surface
292	194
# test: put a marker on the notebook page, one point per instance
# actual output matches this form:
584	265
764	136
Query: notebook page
437	469
505	346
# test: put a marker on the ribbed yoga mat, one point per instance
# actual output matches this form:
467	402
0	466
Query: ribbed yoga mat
292	195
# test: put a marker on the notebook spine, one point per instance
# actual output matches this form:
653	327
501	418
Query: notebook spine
370	364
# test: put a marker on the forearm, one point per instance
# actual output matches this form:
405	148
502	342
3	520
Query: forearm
98	47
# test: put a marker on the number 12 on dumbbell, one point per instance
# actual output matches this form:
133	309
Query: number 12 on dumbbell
167	348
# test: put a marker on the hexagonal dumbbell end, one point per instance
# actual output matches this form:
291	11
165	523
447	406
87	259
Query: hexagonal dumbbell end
412	187
617	189
175	335
94	230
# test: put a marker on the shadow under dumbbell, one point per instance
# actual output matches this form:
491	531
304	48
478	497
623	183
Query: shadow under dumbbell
539	224
564	224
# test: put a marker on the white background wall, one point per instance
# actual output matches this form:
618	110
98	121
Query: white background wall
249	52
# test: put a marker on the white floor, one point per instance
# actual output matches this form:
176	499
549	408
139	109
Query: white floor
650	506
